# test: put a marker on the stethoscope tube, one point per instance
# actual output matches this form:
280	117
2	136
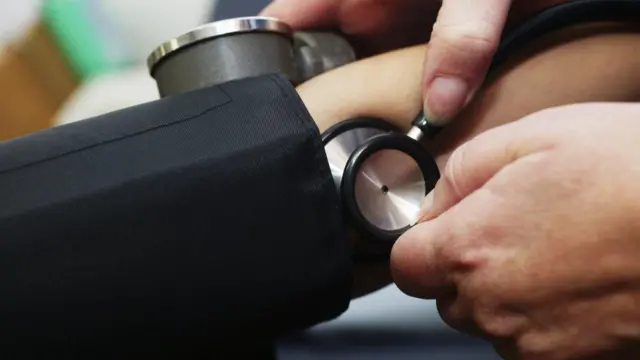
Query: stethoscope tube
360	169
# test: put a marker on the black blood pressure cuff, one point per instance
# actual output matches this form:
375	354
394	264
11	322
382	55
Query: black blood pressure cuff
200	220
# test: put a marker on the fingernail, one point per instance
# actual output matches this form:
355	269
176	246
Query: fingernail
425	208
445	97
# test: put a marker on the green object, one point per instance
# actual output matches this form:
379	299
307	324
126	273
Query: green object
79	32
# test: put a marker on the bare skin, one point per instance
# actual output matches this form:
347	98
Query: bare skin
463	36
590	63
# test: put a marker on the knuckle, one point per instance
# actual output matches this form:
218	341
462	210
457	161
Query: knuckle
535	346
456	315
467	249
496	318
457	256
463	259
468	314
495	326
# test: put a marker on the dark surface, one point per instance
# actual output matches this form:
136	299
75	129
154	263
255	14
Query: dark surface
374	344
190	223
235	8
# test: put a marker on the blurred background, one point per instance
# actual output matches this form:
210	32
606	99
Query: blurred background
67	60
64	60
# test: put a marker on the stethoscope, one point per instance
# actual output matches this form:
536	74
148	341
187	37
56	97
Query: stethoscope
383	175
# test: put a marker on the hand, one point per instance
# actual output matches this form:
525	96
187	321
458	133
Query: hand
463	39
532	238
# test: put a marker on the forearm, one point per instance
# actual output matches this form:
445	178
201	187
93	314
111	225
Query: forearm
589	63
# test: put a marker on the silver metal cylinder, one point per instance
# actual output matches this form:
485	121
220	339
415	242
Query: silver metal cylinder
319	52
389	190
389	187
244	47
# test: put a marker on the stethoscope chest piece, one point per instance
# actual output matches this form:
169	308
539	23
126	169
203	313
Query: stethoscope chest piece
382	176
385	182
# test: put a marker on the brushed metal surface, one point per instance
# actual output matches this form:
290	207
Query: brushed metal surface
390	189
340	148
217	29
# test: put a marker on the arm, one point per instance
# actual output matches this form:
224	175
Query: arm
590	63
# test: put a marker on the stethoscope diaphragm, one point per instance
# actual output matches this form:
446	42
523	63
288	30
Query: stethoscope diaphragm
385	182
381	174
342	139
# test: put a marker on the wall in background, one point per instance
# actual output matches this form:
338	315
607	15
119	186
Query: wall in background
35	76
226	9
147	23
102	36
16	19
52	49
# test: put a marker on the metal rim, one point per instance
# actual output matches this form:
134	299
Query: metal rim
217	29
343	138
424	161
340	140
356	123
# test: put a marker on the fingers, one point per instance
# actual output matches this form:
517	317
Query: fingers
431	260
304	14
428	260
464	40
371	26
417	266
474	163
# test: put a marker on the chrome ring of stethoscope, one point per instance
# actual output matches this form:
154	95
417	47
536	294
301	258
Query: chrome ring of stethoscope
385	182
381	174
342	139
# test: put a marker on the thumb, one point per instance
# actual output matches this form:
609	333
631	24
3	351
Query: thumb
474	163
304	14
464	39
